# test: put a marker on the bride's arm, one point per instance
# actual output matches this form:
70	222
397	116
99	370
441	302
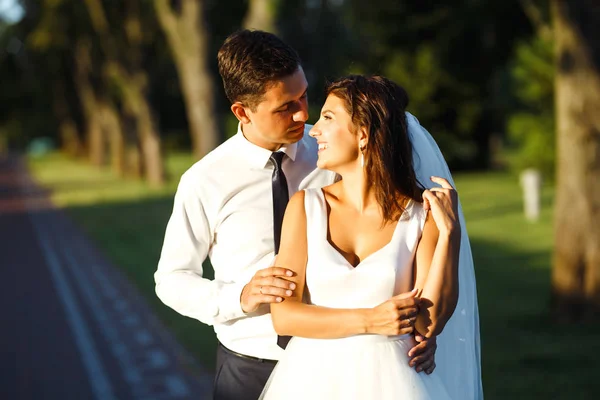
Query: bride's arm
292	317
436	268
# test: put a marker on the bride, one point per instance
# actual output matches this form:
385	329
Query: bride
354	247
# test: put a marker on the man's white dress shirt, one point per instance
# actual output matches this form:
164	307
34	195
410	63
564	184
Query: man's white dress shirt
223	209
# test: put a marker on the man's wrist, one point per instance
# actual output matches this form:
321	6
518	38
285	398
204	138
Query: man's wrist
230	306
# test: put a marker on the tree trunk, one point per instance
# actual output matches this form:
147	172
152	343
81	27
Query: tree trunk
93	134
113	130
187	36
132	82
67	128
137	105
103	122
576	273
261	15
132	157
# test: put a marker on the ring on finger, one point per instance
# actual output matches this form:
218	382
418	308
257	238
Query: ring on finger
260	290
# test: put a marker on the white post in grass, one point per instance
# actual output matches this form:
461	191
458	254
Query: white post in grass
531	182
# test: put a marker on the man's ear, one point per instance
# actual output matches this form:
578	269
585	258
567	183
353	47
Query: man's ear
240	112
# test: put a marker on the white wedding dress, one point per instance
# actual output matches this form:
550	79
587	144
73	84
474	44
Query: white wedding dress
363	366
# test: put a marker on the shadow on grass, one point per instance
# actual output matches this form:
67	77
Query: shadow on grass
525	354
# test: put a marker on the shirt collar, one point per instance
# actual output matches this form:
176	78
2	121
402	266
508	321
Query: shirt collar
258	156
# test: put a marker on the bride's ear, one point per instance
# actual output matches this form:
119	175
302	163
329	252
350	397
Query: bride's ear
363	137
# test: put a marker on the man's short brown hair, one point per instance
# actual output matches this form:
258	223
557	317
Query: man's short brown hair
251	60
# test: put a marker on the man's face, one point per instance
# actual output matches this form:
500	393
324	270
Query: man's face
280	117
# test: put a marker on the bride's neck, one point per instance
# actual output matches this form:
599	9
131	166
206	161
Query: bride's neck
357	191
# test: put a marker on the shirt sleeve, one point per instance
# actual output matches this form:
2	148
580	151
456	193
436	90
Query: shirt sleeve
179	277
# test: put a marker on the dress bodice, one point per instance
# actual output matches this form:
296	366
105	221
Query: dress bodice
363	366
331	281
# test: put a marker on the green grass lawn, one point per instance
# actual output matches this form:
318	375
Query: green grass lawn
525	353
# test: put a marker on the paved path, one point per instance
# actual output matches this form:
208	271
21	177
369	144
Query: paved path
72	326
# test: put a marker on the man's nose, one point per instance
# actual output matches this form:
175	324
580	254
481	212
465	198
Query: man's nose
301	113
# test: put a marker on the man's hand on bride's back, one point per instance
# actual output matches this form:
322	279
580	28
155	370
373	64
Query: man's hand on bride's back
395	316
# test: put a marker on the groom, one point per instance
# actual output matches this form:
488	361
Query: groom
229	206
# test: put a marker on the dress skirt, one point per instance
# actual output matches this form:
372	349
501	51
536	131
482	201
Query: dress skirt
357	367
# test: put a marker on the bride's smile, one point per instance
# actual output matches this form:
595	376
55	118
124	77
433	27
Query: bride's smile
338	144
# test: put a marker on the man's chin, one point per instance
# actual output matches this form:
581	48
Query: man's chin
294	136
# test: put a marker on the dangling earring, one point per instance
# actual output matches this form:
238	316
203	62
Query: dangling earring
362	157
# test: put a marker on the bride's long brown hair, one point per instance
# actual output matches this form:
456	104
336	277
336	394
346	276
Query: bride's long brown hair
379	104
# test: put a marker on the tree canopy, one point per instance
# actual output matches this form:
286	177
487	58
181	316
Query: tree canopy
121	82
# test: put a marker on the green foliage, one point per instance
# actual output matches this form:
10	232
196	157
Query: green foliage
325	44
531	128
420	75
533	136
231	125
448	56
423	78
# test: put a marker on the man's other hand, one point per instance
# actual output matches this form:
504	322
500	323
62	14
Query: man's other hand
422	356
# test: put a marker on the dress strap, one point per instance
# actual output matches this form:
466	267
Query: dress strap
416	212
420	214
316	215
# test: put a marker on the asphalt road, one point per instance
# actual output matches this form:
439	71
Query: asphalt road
72	326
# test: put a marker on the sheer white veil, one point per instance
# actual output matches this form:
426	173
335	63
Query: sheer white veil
458	356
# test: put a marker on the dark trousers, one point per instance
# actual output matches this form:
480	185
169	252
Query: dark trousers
240	377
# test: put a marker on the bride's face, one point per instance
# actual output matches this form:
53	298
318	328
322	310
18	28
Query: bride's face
335	134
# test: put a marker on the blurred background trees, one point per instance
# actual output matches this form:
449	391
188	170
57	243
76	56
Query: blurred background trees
530	127
122	82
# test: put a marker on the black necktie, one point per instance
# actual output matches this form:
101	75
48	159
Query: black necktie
280	200
280	196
